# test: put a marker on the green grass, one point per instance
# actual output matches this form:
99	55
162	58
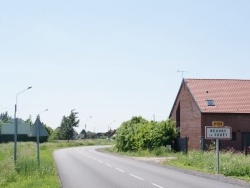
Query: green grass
27	172
232	164
159	152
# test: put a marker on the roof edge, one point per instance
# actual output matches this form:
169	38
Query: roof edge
192	94
217	79
176	98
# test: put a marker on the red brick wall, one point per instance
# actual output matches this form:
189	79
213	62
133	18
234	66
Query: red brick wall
190	118
238	122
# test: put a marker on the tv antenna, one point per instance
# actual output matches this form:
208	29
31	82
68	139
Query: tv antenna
182	71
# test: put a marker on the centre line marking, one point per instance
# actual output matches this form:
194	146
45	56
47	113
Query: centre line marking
119	169
136	177
108	164
157	185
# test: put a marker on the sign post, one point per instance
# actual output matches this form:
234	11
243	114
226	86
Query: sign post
37	131
218	155
218	132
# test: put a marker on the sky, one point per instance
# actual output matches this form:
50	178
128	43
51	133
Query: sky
114	59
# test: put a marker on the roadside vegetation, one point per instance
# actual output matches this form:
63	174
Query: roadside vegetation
232	164
141	138
27	172
136	137
140	134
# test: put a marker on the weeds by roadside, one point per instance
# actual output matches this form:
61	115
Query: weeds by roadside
231	164
27	172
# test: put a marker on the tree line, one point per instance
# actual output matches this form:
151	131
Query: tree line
133	135
65	131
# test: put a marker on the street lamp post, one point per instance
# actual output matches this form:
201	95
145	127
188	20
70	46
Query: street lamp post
86	124
110	124
15	130
43	112
110	128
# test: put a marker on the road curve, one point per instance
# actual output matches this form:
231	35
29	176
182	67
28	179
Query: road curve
80	167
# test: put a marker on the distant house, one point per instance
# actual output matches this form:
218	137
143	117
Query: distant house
108	134
199	102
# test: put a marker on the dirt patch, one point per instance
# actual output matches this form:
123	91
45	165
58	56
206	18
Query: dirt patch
154	159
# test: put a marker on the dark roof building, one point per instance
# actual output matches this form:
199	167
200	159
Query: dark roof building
199	102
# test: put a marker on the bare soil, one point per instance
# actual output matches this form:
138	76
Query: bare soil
159	160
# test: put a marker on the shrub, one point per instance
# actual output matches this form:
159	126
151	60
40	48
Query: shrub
140	134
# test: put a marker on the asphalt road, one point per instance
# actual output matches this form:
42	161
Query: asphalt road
86	167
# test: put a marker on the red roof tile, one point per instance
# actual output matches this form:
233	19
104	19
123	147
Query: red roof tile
230	96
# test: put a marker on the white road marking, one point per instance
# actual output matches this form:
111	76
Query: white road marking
119	169
136	176
157	185
108	164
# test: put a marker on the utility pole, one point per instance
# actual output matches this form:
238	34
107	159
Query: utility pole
15	129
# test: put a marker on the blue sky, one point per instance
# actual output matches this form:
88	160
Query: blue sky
115	59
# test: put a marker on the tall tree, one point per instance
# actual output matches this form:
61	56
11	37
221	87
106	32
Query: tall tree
5	118
67	126
83	133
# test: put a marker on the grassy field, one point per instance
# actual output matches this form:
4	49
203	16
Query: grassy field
27	172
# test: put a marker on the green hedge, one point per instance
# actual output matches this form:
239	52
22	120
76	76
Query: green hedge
138	133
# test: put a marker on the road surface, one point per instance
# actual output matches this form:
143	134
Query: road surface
85	167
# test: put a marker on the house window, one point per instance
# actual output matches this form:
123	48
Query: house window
210	103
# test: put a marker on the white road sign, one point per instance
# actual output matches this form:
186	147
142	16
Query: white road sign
218	133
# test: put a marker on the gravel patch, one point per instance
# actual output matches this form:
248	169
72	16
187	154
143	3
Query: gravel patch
159	160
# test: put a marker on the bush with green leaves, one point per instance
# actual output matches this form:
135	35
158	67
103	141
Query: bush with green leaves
138	134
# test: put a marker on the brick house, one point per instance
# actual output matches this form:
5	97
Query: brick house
199	102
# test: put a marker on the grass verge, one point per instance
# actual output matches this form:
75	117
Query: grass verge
232	164
27	172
